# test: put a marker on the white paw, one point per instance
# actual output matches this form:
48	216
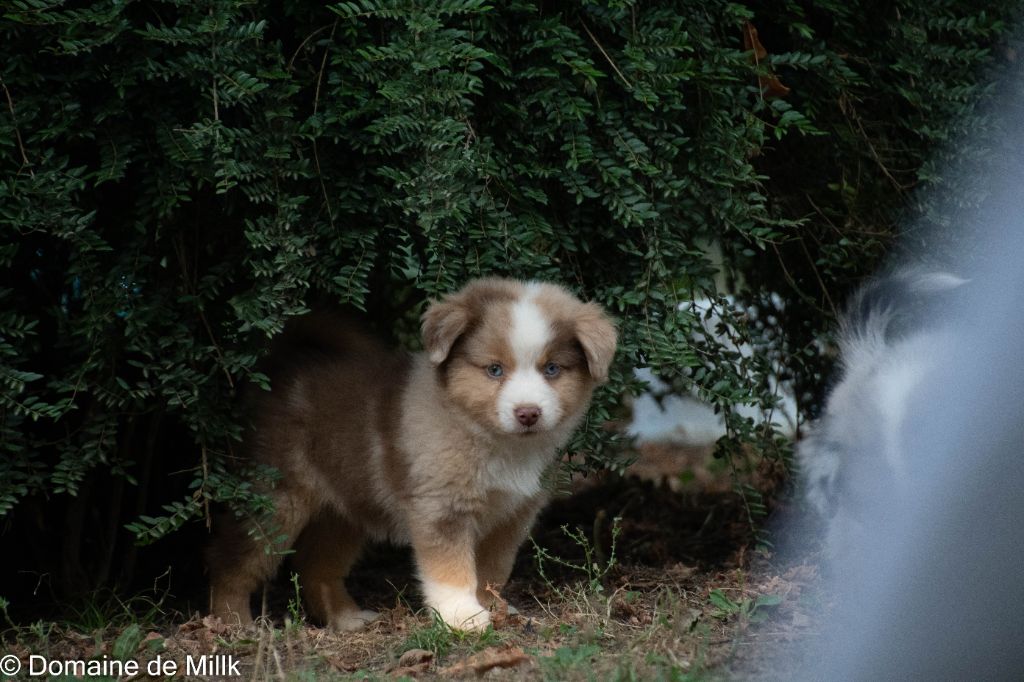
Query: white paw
348	621
465	616
457	607
512	611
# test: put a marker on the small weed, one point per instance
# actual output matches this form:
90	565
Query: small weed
127	643
550	632
105	608
594	566
295	602
4	604
41	630
440	638
436	637
661	670
568	659
750	610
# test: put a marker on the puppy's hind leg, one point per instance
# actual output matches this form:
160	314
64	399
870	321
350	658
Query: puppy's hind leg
240	561
324	554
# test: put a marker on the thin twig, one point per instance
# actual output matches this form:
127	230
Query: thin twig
817	275
213	76
260	644
277	662
606	56
206	498
748	29
851	114
216	348
17	133
216	109
291	62
792	282
316	105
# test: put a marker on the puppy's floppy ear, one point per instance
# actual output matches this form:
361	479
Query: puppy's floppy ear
596	333
442	324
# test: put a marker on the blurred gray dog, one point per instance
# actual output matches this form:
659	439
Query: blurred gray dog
891	339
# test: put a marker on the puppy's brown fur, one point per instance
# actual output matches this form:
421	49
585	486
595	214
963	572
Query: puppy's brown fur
439	449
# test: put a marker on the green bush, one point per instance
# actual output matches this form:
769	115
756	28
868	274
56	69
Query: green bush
179	178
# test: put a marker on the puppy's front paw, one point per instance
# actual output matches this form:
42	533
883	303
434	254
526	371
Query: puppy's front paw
457	607
469	615
348	621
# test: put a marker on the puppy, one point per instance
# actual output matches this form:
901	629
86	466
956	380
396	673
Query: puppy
892	338
443	449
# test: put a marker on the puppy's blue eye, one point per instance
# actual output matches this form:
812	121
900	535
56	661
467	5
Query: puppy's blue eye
551	370
495	370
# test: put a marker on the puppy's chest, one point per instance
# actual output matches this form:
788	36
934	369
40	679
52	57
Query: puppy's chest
511	478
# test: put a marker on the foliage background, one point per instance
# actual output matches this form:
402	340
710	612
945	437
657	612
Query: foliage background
178	178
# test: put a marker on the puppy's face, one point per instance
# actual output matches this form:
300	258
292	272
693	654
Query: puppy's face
519	358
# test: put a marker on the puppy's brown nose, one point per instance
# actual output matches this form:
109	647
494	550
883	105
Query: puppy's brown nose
527	415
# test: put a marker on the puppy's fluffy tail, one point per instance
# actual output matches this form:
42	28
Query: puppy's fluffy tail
888	308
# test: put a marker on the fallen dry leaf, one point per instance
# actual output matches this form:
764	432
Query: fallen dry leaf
770	84
412	663
189	626
341	665
197	637
488	659
410	671
499	612
685	622
215	625
151	637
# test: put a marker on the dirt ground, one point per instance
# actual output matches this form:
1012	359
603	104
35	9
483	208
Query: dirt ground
659	578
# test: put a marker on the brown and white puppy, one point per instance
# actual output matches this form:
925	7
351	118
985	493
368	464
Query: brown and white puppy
443	450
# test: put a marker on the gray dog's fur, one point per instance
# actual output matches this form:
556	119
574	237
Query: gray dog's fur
890	340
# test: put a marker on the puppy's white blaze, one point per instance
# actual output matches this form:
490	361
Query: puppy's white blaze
528	337
457	606
530	332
